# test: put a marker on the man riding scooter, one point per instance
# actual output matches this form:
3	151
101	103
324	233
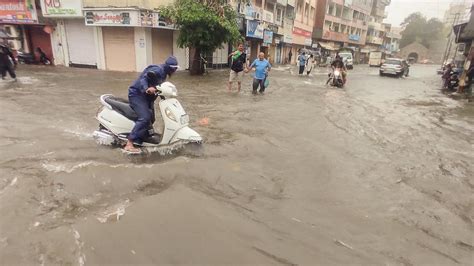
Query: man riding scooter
339	64
142	96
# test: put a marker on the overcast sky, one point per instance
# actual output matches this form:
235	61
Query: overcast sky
398	10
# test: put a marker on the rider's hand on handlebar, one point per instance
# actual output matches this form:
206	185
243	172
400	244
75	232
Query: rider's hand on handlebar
151	90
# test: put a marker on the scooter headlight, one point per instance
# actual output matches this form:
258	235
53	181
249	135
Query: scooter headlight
337	73
170	114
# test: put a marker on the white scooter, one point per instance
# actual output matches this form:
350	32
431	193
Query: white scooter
117	119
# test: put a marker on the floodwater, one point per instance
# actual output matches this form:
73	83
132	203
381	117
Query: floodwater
380	173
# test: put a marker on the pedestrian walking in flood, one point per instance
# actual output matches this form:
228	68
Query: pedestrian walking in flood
239	59
7	62
290	54
262	67
309	64
301	63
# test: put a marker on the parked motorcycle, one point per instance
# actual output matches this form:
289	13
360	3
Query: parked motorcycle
453	81
25	58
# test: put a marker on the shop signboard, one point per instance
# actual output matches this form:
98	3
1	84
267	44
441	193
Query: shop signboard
301	32
128	18
354	37
147	18
162	22
308	42
254	29
61	8
267	37
18	11
249	12
268	16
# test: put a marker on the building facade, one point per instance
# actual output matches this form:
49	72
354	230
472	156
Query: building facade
377	30
127	35
342	24
28	28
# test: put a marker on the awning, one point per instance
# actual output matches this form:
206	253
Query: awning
327	46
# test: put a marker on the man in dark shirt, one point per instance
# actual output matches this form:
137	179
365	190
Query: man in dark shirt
141	96
7	62
239	59
338	63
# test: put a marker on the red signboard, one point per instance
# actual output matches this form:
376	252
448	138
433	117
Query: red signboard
18	11
301	32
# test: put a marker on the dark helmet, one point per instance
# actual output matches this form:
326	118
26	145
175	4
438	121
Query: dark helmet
171	64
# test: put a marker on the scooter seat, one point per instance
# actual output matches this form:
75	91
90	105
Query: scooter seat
122	106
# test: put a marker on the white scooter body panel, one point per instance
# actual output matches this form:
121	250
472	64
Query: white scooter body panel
114	121
186	134
172	126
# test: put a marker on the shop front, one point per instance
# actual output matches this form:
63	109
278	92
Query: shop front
268	46
301	38
254	38
289	54
116	36
73	43
35	33
80	44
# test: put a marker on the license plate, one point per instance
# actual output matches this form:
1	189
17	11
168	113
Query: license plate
184	119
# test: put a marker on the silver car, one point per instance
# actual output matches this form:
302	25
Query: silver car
394	66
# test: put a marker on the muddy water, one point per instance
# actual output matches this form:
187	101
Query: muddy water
377	173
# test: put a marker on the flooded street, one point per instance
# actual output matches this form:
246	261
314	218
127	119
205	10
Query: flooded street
380	172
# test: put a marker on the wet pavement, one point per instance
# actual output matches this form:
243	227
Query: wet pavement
380	173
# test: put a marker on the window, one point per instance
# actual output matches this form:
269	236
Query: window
343	28
8	30
279	15
313	13
258	3
355	15
331	9
336	27
306	10
327	24
270	7
338	11
299	7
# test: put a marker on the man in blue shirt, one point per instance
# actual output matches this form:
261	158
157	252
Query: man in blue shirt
262	67
302	62
142	96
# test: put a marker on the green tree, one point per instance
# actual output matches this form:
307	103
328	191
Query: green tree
204	26
418	28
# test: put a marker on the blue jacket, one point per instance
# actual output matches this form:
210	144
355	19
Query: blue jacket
139	86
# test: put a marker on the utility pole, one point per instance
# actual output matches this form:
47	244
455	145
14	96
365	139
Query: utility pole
447	52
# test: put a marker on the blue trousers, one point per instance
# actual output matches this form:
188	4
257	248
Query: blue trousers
144	107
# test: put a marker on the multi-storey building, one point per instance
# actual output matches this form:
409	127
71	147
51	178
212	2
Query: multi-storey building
376	29
342	23
127	35
277	27
392	40
458	12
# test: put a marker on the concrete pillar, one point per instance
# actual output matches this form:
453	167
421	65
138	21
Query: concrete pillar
143	48
99	46
60	44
